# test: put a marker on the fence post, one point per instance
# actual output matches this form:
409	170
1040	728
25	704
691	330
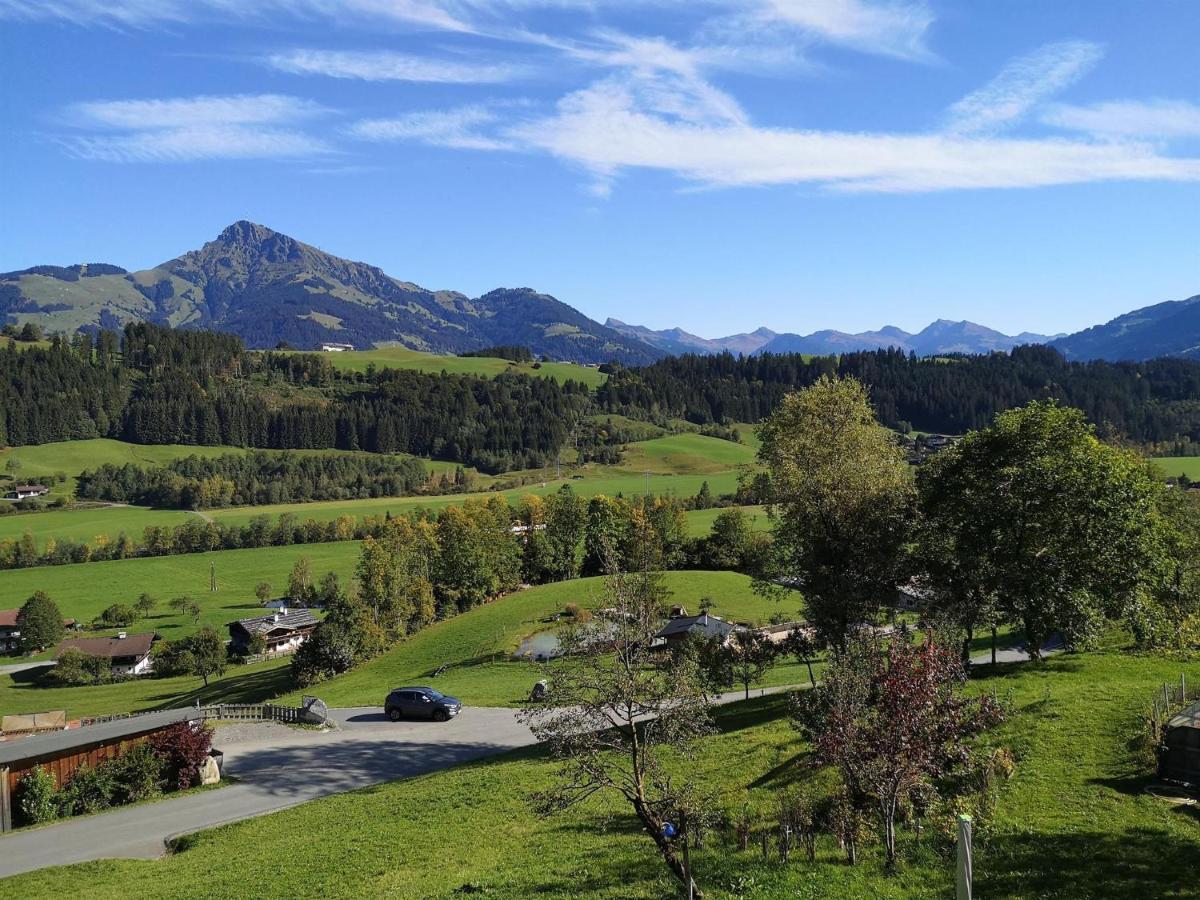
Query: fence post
964	874
5	802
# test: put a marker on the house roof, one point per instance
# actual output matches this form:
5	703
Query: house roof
703	625
57	743
29	487
137	645
8	619
293	621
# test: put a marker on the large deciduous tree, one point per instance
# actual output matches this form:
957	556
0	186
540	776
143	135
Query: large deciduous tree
1035	518
841	502
40	623
615	706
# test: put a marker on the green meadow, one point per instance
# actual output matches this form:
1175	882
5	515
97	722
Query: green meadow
675	464
700	521
487	367
1174	466
1073	822
83	590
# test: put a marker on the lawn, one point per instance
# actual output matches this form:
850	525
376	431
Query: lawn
488	367
1072	824
82	591
478	645
254	683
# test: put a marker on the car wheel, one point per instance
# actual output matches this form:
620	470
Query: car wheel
440	715
394	715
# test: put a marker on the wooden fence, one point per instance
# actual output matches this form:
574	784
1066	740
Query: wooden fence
252	712
1166	702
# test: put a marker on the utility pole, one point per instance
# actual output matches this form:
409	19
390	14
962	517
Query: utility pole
963	875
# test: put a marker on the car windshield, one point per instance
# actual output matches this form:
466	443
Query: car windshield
434	695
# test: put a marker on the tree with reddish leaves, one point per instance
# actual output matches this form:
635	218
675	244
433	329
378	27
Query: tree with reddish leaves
892	719
182	747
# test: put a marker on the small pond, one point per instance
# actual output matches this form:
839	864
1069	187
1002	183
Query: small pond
540	647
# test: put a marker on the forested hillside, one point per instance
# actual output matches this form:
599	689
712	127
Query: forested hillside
1149	402
193	387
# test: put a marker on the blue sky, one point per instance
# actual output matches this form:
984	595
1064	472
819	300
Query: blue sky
712	164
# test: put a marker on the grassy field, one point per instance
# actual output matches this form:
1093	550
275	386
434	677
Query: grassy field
82	591
87	523
240	684
675	464
1174	466
489	367
700	521
1072	824
479	644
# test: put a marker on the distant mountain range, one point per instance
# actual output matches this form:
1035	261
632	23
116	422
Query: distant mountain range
943	336
1165	329
267	287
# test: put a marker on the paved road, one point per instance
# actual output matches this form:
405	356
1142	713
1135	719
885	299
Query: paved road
10	668
276	768
1018	652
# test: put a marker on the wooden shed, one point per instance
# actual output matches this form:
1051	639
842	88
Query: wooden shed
1179	755
62	752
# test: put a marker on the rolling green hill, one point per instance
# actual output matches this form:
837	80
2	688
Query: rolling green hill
478	645
675	464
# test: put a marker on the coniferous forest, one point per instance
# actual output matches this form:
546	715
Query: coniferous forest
1154	402
155	385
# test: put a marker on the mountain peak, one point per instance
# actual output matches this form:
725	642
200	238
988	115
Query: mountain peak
244	231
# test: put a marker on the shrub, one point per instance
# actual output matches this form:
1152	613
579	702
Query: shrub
78	668
116	616
137	775
89	790
182	748
37	800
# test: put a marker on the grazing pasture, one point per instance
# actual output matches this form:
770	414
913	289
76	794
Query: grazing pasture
485	366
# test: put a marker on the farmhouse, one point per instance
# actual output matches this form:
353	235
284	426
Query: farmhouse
334	347
282	631
62	752
704	626
128	654
10	634
25	491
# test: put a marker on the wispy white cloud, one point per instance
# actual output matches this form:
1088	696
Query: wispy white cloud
606	128
895	28
1129	118
148	13
1021	85
389	66
241	126
457	128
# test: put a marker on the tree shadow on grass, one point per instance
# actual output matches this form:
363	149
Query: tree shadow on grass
741	714
1130	864
250	687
